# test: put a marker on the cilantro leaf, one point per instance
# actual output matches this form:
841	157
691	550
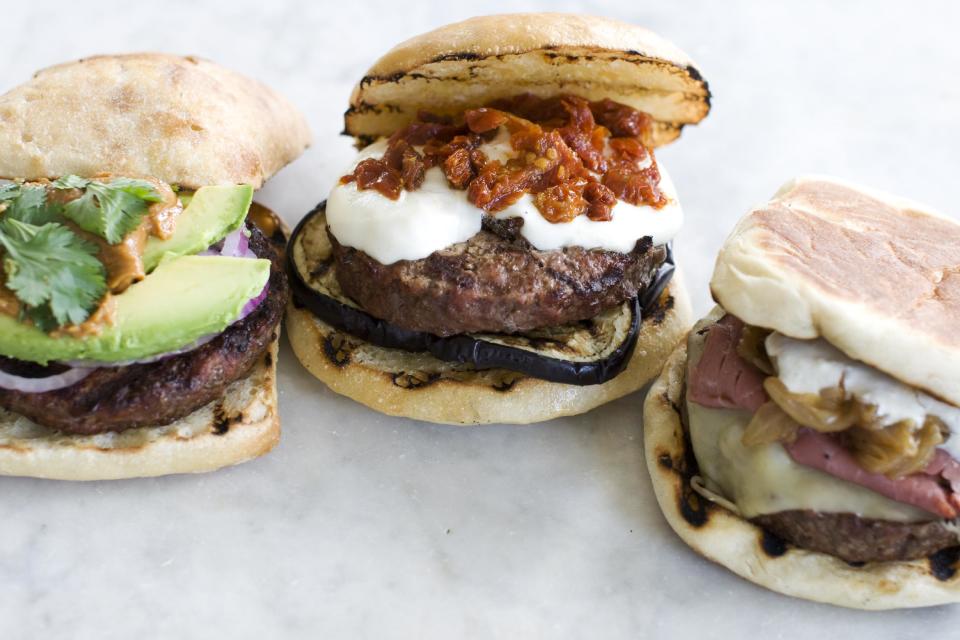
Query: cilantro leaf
9	191
53	271
70	182
33	207
109	209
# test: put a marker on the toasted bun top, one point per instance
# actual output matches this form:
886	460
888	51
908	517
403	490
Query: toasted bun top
184	120
473	62
877	276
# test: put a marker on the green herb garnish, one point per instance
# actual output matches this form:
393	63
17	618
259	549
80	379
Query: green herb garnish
53	271
109	209
50	268
32	207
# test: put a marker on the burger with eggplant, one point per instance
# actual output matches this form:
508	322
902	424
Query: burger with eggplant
500	248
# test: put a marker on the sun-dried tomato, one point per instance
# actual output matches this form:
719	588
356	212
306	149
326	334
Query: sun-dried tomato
636	186
413	169
483	120
600	201
579	132
561	202
458	169
574	156
628	150
375	174
419	133
621	120
544	111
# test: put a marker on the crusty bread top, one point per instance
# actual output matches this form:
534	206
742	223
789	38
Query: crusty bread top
472	62
876	275
184	120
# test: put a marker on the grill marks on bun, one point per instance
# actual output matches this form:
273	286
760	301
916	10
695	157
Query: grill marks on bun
492	57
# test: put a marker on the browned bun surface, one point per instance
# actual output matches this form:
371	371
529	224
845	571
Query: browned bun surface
474	62
184	120
875	275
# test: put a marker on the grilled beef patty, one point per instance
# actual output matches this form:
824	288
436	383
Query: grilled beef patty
856	539
157	393
495	282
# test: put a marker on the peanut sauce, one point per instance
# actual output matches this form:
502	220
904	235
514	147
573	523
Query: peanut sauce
575	156
123	261
9	304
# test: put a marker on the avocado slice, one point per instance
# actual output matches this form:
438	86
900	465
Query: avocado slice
209	215
184	299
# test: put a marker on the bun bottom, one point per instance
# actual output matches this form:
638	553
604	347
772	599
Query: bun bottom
418	386
240	426
754	554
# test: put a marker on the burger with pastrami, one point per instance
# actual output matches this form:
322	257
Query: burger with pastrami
807	435
141	291
500	249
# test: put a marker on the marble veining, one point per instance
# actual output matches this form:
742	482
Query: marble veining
363	526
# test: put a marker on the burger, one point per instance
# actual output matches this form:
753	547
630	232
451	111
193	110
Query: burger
500	248
807	434
141	292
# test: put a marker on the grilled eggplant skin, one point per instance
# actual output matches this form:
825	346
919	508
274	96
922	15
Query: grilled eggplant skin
482	351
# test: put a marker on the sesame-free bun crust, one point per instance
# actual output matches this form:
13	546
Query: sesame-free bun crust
242	425
750	552
417	385
875	275
471	63
184	120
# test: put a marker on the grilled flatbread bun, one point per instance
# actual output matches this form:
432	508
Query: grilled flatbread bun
481	59
183	120
417	385
744	548
876	275
244	424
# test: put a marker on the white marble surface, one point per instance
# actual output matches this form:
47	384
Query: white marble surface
359	525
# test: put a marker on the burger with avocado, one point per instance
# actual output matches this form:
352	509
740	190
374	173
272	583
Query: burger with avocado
140	299
499	250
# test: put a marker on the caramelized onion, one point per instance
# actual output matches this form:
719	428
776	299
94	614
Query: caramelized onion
752	348
895	450
770	424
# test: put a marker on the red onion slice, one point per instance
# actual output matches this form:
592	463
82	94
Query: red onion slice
42	385
237	245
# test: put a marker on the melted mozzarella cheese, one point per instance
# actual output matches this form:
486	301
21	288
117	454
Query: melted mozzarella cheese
629	224
408	228
807	366
437	216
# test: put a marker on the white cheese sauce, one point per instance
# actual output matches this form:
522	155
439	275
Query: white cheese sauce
436	216
807	366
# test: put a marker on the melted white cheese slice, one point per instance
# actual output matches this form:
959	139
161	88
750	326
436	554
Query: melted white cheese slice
437	216
765	479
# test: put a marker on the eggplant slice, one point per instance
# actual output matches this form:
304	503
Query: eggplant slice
589	352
